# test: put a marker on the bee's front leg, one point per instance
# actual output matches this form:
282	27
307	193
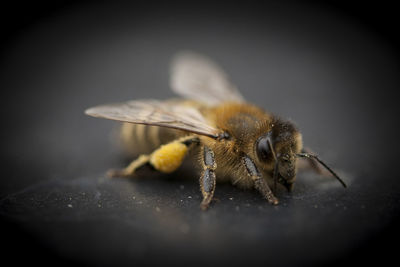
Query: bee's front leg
207	178
259	183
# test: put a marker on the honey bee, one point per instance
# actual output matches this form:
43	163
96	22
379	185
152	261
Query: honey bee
231	138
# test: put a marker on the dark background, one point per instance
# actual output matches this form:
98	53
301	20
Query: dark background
332	68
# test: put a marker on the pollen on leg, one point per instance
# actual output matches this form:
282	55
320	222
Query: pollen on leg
168	157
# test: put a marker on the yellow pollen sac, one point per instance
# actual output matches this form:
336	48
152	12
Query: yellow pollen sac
168	157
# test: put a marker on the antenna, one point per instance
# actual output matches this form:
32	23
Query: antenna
312	156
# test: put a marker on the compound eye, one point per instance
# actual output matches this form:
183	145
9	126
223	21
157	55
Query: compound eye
263	149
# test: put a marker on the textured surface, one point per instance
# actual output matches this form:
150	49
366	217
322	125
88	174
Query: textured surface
337	85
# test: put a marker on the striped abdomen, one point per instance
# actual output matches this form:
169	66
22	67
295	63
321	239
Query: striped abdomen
143	139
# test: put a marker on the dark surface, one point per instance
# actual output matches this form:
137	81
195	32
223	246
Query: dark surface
333	74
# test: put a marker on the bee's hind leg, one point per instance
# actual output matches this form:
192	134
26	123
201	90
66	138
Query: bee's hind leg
167	158
130	169
207	178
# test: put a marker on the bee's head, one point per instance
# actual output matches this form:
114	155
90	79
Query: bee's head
277	150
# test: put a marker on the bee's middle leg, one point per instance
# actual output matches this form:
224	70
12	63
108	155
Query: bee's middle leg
207	178
259	183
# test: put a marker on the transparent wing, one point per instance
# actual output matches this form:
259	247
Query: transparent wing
196	77
157	113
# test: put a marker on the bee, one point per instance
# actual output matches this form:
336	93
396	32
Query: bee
231	138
